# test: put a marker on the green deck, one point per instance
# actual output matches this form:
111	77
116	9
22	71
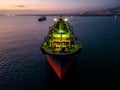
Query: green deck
61	38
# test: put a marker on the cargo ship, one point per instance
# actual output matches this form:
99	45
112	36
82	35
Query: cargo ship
61	46
42	18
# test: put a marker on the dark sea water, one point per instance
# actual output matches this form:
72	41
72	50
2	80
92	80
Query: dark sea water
24	67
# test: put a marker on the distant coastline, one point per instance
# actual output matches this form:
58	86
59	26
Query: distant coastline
107	12
87	15
59	15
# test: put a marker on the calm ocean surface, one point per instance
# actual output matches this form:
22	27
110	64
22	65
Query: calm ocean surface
24	67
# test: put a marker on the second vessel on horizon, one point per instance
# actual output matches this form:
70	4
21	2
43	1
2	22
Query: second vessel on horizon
42	18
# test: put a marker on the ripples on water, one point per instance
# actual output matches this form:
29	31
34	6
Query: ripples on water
24	67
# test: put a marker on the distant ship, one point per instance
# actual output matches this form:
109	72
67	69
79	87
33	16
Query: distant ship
116	17
42	18
60	46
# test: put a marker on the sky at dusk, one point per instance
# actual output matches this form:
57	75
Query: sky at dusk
57	5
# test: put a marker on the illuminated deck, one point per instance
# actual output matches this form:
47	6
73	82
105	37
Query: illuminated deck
61	39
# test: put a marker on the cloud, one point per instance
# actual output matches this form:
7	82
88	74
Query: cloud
20	6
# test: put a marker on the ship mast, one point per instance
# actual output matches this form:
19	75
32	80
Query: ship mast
60	28
60	37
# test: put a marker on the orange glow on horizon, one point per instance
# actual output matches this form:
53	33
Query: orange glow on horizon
42	5
57	5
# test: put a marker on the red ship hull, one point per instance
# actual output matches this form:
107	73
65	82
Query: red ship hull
60	64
